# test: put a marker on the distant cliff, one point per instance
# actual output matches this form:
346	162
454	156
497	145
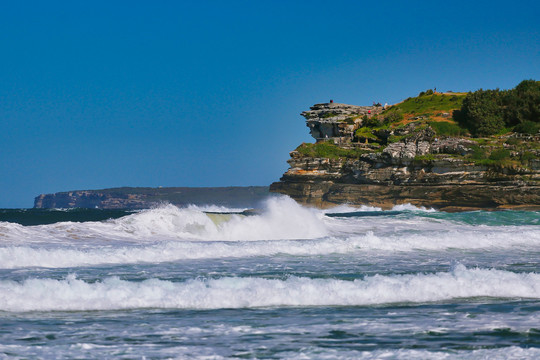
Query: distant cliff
378	157
141	198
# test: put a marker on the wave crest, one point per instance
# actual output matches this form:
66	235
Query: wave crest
233	292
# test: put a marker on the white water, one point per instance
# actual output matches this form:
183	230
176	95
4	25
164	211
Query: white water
114	293
282	218
482	354
169	233
289	282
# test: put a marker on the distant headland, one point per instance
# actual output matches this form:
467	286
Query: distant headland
145	197
445	150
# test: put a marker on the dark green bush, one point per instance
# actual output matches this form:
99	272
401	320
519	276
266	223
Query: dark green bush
527	127
488	112
522	104
393	117
479	153
482	112
512	141
527	156
499	154
370	121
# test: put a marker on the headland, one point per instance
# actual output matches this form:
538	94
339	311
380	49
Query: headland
147	197
449	151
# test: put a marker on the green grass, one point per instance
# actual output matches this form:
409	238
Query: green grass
395	138
328	150
366	132
424	158
328	115
428	104
444	128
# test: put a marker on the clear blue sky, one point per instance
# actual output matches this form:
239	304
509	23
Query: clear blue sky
97	94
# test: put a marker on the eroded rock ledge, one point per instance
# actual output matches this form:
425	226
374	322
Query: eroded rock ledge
420	168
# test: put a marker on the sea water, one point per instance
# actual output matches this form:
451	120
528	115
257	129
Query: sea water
287	282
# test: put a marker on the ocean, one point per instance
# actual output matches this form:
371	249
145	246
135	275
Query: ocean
285	282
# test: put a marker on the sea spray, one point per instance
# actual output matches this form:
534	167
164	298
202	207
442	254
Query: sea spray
280	218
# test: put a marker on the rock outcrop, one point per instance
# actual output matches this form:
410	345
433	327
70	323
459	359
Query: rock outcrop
419	168
334	120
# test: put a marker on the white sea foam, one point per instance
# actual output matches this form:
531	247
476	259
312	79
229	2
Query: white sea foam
409	207
346	208
169	233
511	352
70	255
340	209
114	293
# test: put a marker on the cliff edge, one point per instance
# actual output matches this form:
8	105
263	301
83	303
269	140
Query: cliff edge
387	156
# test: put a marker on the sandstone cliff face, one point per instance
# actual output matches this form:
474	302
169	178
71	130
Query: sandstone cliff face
421	169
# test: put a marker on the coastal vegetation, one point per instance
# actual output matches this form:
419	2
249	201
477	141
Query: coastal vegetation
453	151
429	103
490	112
501	124
327	149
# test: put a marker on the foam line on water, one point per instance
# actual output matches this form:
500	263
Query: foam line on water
503	353
70	256
73	294
345	208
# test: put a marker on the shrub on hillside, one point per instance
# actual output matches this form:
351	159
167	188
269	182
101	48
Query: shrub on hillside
482	112
478	153
393	117
522	104
499	154
527	127
370	121
488	112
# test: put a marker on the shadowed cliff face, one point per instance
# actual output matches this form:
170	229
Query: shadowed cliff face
419	168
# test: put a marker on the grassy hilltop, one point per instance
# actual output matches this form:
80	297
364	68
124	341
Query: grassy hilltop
504	124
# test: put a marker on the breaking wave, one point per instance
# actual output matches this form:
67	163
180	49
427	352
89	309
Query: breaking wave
281	218
169	233
113	293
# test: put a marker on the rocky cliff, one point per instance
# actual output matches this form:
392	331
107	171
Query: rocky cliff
409	162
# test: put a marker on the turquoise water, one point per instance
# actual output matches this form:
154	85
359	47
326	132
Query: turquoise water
288	282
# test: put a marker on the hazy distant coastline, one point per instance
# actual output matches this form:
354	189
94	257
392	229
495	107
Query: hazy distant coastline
146	197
